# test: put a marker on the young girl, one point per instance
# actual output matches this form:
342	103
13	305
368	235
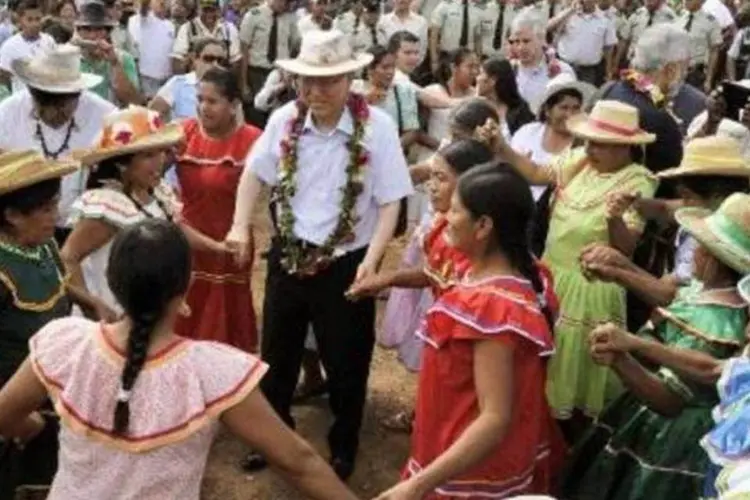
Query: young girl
483	426
142	403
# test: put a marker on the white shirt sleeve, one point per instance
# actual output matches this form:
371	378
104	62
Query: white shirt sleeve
263	160
166	92
391	179
235	53
264	98
610	38
181	46
7	54
734	49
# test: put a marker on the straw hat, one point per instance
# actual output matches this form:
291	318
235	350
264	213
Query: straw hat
564	81
57	70
20	169
725	232
128	131
744	288
325	53
610	122
713	155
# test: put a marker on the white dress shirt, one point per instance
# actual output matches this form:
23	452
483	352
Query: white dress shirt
584	38
154	38
413	23
532	81
322	160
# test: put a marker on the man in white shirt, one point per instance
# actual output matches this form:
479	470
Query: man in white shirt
153	35
207	25
315	19
403	19
26	43
55	115
326	239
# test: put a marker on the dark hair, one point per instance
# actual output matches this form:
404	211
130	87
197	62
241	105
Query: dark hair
399	37
378	53
454	58
506	88
108	170
496	191
200	43
28	199
25	5
372	6
50	99
224	81
54	28
464	154
59	6
557	98
473	113
714	186
149	266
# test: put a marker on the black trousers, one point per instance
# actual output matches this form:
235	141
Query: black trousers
595	75
344	331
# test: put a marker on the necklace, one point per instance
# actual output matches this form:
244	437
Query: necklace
300	259
145	212
53	155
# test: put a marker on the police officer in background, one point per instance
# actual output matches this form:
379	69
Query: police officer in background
454	24
652	12
705	41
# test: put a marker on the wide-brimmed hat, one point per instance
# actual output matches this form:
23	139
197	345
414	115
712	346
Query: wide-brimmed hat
128	131
57	70
610	122
20	169
325	53
725	232
714	155
744	288
94	14
564	81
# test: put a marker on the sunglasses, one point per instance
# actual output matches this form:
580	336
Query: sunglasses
220	60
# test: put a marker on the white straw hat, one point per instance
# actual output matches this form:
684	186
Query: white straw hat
325	53
610	122
565	81
57	70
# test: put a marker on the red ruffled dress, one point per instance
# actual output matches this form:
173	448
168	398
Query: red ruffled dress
503	309
219	297
443	264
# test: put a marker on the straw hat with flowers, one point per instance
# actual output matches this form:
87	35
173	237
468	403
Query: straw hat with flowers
610	122
128	131
714	155
20	169
725	232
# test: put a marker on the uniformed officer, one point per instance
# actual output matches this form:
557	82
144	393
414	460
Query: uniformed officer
455	24
738	55
498	16
653	12
348	20
705	40
369	32
268	31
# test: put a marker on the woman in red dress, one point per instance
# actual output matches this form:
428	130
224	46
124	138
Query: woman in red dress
483	428
208	170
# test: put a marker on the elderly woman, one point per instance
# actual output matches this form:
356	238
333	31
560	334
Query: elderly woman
594	187
646	444
32	293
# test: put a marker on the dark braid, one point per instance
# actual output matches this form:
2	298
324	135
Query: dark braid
148	269
138	342
519	255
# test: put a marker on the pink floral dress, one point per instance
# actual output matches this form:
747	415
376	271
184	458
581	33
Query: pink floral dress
175	407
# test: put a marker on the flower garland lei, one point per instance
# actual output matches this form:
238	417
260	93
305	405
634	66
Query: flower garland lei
550	59
644	85
298	259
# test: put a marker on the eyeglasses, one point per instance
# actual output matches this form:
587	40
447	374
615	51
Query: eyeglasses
220	60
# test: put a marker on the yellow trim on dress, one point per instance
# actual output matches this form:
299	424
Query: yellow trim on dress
34	306
694	332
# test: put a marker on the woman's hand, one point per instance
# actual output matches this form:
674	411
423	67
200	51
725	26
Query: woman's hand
610	338
405	490
618	203
239	242
490	134
367	287
602	262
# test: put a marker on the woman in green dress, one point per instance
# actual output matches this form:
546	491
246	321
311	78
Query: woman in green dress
594	187
646	444
32	292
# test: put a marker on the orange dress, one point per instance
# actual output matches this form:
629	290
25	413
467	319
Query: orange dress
219	297
502	309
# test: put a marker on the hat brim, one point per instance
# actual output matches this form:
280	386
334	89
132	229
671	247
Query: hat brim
168	136
36	172
86	81
693	220
585	89
744	288
98	24
301	68
739	169
580	127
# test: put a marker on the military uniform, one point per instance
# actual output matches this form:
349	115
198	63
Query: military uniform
363	37
642	19
448	19
255	34
739	52
492	41
705	36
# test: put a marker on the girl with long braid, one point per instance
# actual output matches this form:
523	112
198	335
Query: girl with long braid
483	427
142	403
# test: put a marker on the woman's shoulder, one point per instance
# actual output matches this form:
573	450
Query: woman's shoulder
57	346
527	131
107	204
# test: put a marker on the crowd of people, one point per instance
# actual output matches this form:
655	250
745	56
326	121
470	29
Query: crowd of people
570	181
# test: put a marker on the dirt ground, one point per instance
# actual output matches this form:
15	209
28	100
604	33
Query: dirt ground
382	453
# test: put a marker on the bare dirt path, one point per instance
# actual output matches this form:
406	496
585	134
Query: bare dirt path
382	453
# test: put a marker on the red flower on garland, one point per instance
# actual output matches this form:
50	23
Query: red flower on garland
123	137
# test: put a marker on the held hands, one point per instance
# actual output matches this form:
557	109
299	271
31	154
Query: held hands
367	287
489	134
608	342
602	262
619	202
239	242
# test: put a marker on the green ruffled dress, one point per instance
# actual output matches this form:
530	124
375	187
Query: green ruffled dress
634	453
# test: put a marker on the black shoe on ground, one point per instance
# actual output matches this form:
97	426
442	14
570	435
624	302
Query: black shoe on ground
342	467
253	462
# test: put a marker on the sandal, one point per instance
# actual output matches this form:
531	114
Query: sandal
400	422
